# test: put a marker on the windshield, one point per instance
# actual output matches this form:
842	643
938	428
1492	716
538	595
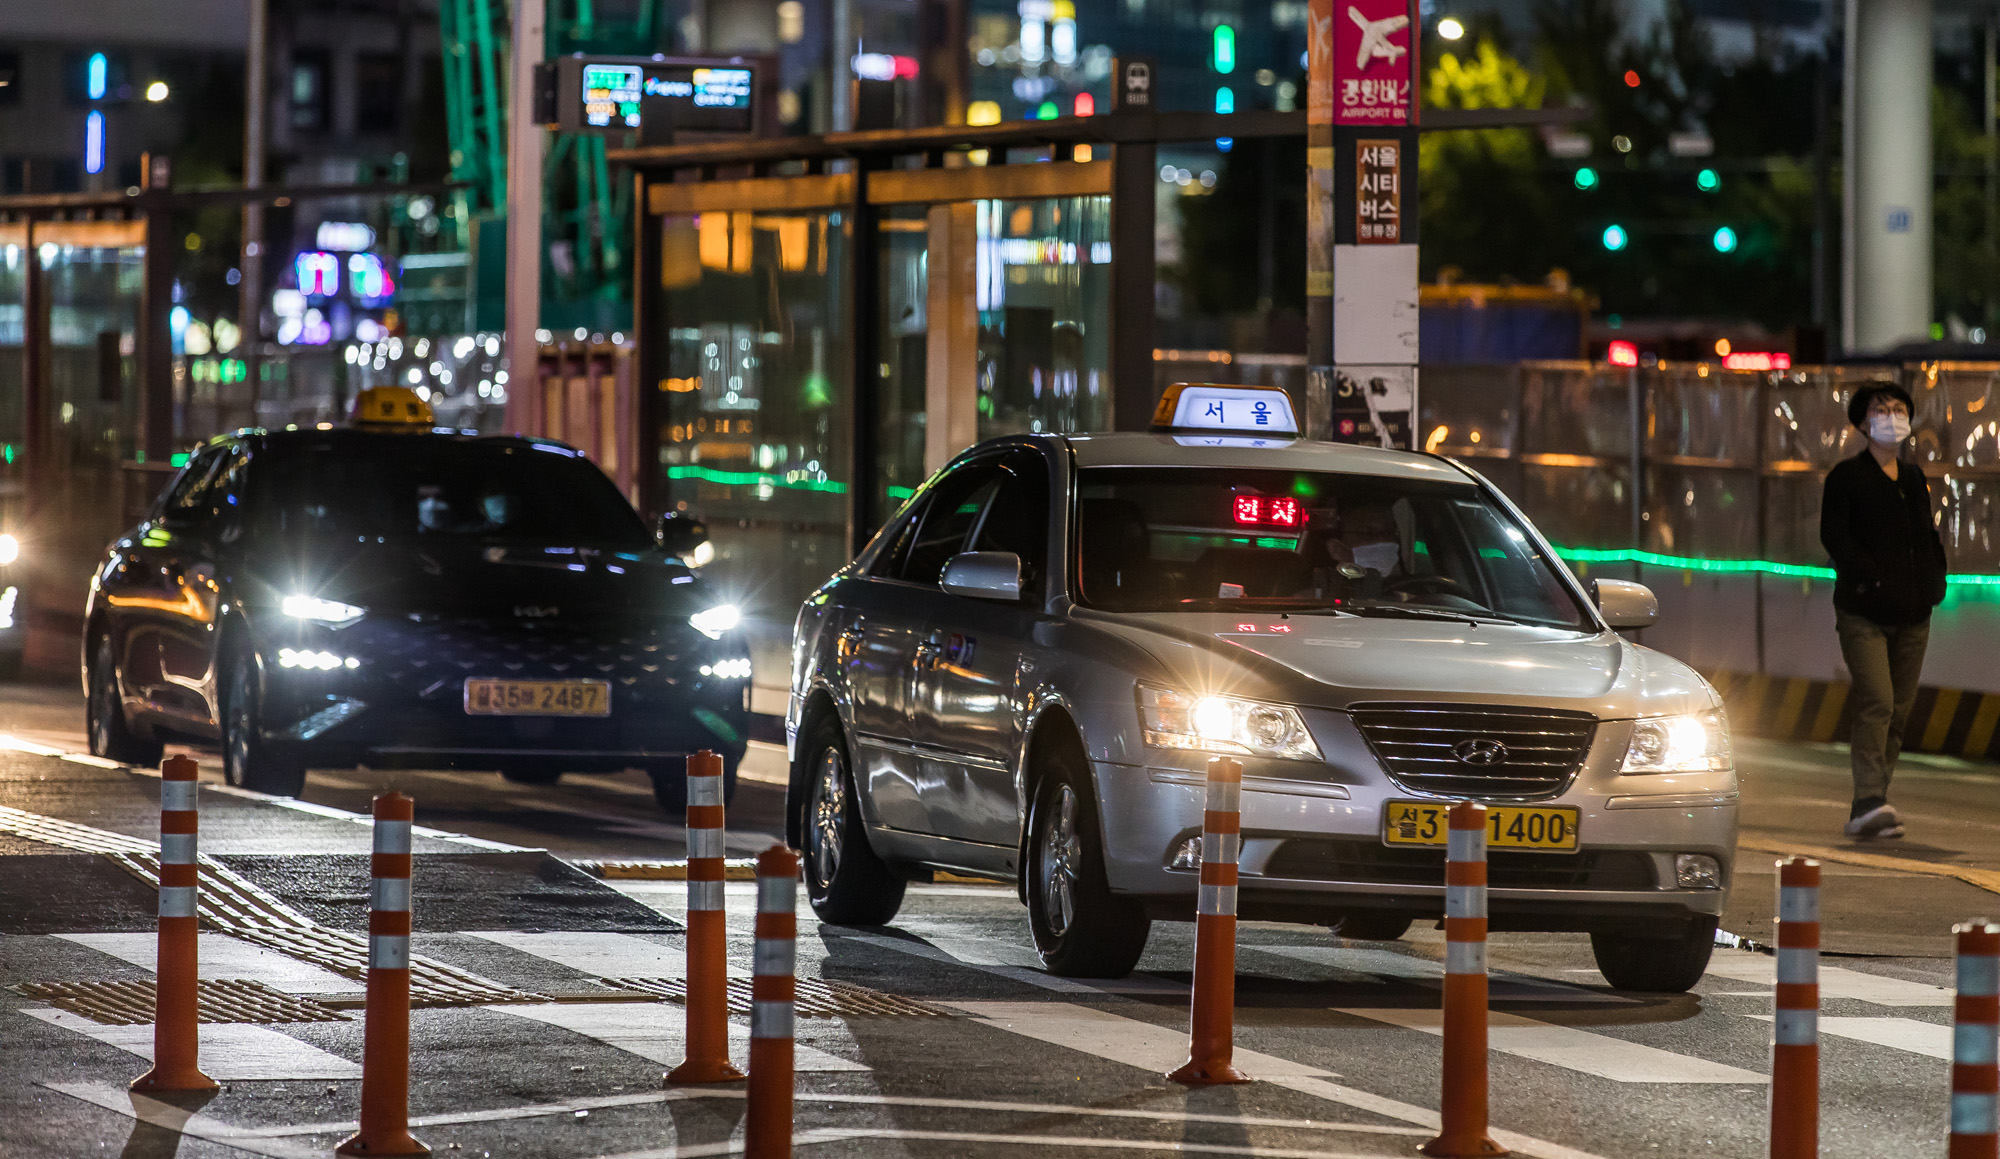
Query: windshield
435	488
1207	539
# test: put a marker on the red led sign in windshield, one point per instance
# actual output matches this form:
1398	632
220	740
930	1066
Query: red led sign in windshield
1276	510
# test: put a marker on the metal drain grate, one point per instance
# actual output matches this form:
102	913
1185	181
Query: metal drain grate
432	983
816	998
217	1000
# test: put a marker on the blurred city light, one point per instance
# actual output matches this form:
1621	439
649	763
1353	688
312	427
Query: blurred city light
1615	237
1450	28
1586	178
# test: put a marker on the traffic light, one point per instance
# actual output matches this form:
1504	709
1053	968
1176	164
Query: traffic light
1224	59
1725	240
1707	181
1225	99
1586	178
1615	237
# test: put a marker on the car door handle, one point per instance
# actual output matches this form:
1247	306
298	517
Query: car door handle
852	633
927	651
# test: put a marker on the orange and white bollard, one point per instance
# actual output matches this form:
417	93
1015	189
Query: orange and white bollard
1212	1011
176	1037
707	1006
1795	1029
1463	1111
767	1127
1975	1044
385	1050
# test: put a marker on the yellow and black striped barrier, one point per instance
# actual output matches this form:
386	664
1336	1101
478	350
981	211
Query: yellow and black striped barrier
1944	720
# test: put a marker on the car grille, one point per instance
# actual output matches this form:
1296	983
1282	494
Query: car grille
1424	747
1374	863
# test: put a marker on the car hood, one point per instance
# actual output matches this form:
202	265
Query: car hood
1336	661
477	579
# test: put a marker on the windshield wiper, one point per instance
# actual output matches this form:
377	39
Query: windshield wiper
1406	612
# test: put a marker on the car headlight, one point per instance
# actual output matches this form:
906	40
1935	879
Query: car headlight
713	622
1695	742
10	549
322	611
1224	724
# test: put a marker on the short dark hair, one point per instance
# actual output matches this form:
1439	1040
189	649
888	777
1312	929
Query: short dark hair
1864	396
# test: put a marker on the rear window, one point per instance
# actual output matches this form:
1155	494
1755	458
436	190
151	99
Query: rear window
418	488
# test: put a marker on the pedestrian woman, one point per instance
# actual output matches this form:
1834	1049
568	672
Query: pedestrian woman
1875	521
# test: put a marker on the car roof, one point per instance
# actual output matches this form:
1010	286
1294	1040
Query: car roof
1154	450
398	436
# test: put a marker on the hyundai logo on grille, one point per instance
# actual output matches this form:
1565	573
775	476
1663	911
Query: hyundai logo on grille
1480	751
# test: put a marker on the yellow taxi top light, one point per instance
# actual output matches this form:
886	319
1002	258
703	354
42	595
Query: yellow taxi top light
1226	407
391	406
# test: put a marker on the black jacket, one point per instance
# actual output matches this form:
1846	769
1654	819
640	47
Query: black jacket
1888	561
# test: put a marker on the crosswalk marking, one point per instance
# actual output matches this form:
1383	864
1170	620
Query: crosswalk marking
1368	962
1834	981
1931	1039
598	954
222	956
1577	1050
1107	1035
658	1032
230	1051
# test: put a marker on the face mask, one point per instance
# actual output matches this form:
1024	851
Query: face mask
1382	557
1888	428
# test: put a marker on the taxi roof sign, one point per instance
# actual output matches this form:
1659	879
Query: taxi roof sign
391	406
1188	407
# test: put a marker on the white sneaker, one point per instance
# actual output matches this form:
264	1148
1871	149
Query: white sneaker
1881	821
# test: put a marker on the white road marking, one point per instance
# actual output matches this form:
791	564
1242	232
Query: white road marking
657	1031
1106	1035
1930	1039
230	1051
1834	981
222	956
122	1101
1506	986
938	954
601	955
1577	1050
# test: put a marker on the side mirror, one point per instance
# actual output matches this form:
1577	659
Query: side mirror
983	575
1626	604
680	533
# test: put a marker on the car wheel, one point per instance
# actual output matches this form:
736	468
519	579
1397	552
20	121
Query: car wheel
1372	927
1661	965
1081	928
249	759
847	883
109	736
670	786
536	774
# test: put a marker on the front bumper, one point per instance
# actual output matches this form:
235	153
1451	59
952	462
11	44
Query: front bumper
1312	848
402	700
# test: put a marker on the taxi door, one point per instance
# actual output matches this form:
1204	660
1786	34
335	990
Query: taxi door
970	686
165	595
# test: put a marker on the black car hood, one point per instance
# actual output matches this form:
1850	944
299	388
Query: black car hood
471	578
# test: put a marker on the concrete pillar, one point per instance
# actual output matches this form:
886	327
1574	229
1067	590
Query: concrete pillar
1886	219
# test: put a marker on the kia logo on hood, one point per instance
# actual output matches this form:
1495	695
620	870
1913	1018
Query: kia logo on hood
1479	751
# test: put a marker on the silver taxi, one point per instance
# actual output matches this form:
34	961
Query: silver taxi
1027	670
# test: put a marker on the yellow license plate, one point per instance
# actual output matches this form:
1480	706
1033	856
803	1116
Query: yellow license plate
1546	827
538	697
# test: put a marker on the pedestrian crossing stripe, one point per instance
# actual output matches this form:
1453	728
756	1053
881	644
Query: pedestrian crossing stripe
1954	721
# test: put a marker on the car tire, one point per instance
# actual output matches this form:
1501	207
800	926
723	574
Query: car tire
670	786
535	774
110	737
1659	965
846	881
1081	928
251	760
1372	927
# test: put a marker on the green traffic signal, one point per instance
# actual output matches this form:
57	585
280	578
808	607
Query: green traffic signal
1615	237
1707	181
1586	178
1725	240
1225	49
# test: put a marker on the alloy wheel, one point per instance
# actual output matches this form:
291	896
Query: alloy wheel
829	815
1061	856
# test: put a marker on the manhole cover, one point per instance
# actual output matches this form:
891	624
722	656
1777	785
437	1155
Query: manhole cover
217	1000
816	998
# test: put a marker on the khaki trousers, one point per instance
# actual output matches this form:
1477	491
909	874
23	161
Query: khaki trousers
1885	663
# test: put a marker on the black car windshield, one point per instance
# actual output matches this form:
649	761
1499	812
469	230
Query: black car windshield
1210	539
430	488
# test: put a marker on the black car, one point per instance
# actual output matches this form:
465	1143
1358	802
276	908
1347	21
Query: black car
413	597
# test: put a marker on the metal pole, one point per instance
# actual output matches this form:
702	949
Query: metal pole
1319	219
250	310
839	66
34	368
524	220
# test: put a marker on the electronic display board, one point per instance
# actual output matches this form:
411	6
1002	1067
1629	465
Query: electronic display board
611	95
658	97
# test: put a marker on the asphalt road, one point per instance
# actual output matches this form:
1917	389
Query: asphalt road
996	1057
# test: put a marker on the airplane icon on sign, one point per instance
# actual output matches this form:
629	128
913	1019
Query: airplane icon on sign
1375	37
